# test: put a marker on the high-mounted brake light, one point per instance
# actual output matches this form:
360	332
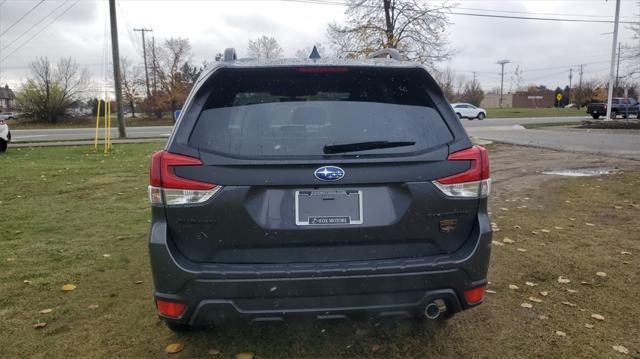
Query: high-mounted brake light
170	309
165	187
472	183
323	69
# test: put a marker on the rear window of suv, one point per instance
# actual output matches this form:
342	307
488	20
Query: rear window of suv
284	112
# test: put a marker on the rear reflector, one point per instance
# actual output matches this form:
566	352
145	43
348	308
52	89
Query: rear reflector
475	295
170	309
472	183
165	187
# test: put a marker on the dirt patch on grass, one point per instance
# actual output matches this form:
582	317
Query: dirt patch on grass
74	216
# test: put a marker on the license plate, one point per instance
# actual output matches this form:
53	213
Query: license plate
328	207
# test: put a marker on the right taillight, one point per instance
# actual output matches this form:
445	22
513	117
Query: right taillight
472	183
167	188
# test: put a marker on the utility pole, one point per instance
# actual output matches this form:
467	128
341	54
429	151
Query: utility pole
580	87
618	66
154	62
570	77
144	55
613	60
502	63
117	81
474	77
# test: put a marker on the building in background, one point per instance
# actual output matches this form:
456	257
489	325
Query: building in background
492	100
7	98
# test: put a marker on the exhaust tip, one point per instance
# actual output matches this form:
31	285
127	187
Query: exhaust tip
432	311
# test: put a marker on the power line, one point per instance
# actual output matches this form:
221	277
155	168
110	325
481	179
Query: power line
22	17
41	30
36	23
537	13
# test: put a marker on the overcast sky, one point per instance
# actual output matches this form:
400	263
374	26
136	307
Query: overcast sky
544	50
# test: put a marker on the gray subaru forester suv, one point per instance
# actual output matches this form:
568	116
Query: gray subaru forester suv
322	188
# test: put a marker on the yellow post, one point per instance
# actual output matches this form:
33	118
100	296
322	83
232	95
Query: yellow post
95	139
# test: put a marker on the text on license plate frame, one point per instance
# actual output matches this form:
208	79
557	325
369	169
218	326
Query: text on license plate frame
328	220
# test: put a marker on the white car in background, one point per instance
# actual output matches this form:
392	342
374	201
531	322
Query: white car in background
5	135
469	111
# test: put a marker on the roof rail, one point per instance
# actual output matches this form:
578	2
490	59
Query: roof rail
229	54
383	53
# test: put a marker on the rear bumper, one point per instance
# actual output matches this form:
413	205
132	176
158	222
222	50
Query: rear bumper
403	287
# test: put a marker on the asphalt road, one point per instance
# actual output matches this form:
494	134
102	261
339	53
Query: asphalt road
613	143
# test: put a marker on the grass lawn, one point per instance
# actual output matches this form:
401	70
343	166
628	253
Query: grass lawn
533	112
530	126
72	216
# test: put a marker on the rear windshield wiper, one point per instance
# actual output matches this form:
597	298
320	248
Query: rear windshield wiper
364	146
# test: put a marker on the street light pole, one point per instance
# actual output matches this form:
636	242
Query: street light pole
613	61
502	63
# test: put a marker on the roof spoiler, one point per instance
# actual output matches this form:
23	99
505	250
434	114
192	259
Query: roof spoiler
384	53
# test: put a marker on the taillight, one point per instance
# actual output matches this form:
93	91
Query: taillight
167	188
170	309
472	183
475	295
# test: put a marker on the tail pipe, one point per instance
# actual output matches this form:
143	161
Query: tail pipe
432	311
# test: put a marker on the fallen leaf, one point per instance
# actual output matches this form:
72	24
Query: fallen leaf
68	287
590	224
526	305
558	227
625	253
589	326
213	351
597	316
93	306
562	279
39	325
46	311
504	209
517	227
138	282
106	255
601	274
585	283
490	291
521	250
244	355
617	207
500	244
513	286
531	284
620	349
561	333
535	300
174	348
545	231
508	240
572	219
544	293
375	348
569	304
543	317
26	281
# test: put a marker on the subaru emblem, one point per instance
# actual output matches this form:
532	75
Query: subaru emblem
329	173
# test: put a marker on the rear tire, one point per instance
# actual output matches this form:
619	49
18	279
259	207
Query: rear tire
595	117
481	116
459	116
614	114
3	145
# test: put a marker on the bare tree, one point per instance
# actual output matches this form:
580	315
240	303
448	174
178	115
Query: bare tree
51	90
131	83
264	47
173	55
413	27
472	93
305	52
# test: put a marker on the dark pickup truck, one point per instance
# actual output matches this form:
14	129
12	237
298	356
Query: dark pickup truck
625	107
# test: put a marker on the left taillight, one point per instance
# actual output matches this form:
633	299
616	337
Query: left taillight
167	188
472	183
